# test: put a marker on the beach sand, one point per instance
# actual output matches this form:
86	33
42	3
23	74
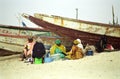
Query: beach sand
105	65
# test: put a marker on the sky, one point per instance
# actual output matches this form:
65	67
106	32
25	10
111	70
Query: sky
89	10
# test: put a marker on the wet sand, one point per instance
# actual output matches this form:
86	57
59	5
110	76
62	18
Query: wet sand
105	65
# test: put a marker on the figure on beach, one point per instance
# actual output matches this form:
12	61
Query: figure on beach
76	52
27	51
38	51
101	44
58	49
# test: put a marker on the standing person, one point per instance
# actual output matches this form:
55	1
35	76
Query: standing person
38	51
27	51
58	48
75	52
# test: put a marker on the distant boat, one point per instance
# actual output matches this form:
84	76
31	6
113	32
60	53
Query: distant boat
88	32
13	38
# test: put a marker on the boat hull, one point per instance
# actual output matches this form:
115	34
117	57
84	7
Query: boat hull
71	34
13	38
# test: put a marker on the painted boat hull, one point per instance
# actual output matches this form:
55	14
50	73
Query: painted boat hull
13	38
90	33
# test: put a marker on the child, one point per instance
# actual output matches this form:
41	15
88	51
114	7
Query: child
27	49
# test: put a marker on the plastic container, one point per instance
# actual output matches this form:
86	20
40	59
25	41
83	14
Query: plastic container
55	57
89	53
48	59
38	61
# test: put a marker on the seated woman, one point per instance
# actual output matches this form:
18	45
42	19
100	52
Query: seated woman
76	52
58	49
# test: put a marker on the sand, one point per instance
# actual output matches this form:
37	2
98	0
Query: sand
105	65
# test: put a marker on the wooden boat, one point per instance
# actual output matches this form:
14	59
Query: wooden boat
13	38
88	32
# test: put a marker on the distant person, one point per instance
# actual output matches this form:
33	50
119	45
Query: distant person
38	51
27	51
58	48
101	44
75	52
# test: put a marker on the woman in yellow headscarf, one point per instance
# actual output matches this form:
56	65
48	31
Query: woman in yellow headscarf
75	52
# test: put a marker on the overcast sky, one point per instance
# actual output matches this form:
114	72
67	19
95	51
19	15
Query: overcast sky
89	10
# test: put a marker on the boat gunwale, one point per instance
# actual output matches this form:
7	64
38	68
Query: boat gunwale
81	21
72	29
22	28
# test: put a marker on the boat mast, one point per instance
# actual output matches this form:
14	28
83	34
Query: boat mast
76	13
113	15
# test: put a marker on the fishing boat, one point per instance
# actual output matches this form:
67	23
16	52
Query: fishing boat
88	32
13	38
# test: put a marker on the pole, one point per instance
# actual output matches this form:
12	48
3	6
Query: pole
113	15
76	13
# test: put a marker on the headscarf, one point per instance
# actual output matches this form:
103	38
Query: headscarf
57	41
78	40
79	44
75	42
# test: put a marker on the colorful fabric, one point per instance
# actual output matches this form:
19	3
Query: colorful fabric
75	52
75	42
58	49
57	41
